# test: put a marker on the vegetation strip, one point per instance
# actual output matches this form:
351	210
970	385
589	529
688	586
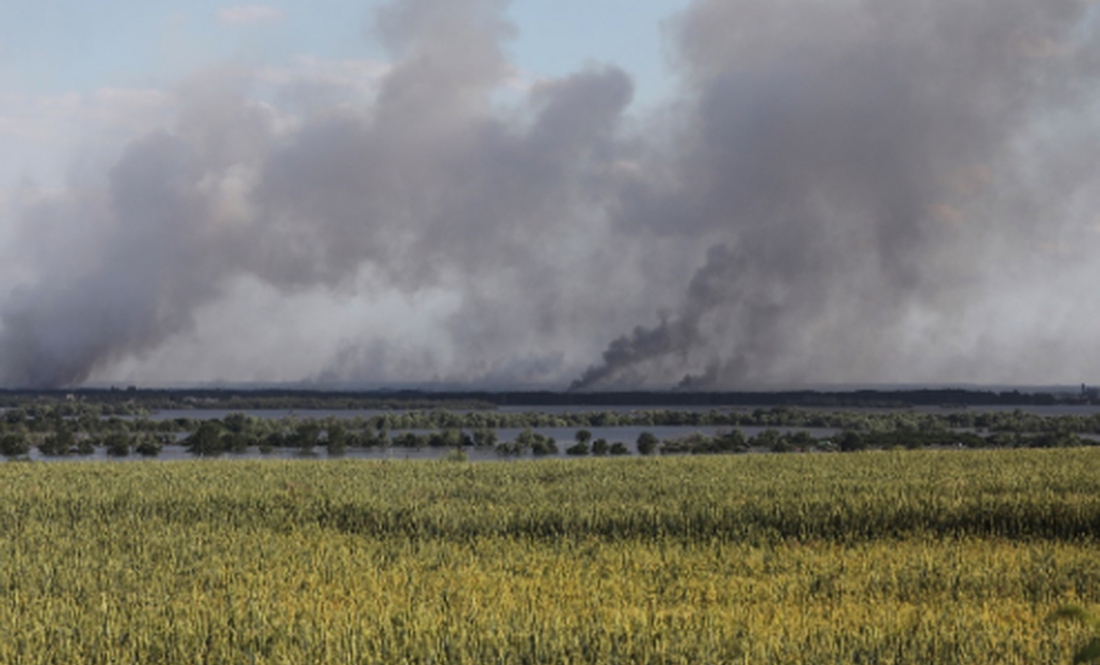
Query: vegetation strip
79	429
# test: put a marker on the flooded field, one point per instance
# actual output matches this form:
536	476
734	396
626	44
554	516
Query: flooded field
564	437
518	432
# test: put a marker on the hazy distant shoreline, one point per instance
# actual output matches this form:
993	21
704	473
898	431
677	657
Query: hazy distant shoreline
304	398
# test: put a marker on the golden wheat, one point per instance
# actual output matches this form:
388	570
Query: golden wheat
950	557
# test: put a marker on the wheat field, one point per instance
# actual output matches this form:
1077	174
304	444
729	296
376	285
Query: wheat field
884	557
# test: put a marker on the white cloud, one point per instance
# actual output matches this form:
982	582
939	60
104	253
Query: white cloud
250	14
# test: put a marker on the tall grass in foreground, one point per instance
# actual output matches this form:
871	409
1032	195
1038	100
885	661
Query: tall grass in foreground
949	557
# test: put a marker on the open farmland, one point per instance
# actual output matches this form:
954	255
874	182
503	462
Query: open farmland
884	557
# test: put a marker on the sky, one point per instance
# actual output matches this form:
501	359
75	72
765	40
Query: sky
624	193
65	46
59	56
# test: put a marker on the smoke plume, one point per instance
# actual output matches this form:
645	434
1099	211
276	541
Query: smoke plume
858	165
847	190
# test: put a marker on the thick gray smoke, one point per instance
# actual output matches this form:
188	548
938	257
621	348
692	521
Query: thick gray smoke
861	188
856	163
427	185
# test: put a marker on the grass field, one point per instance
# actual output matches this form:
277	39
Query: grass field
898	557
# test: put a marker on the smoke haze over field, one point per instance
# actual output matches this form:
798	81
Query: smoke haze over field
839	190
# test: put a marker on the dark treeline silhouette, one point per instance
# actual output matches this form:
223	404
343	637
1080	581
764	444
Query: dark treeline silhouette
134	401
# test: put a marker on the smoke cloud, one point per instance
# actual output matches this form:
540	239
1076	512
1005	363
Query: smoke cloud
840	191
859	166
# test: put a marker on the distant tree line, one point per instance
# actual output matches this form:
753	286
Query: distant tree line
137	401
78	428
57	435
89	419
133	402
